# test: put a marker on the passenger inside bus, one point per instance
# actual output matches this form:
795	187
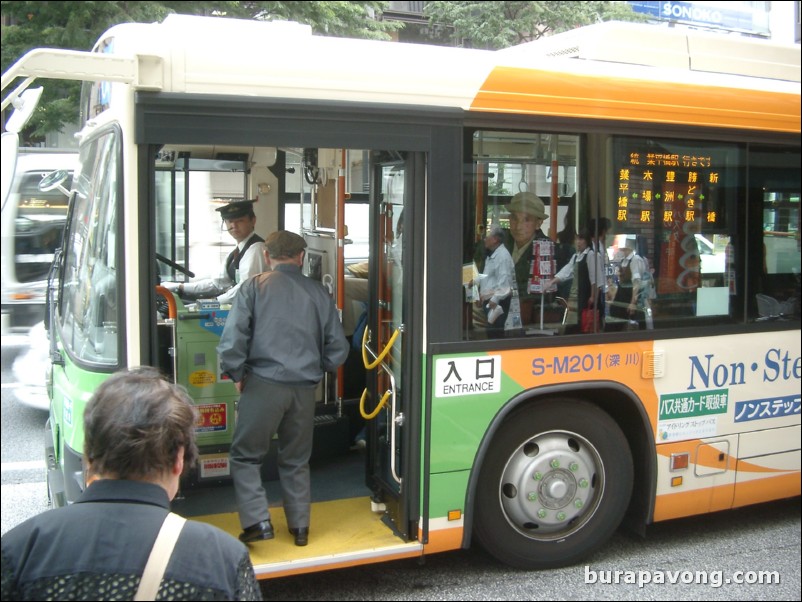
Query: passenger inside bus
496	283
527	213
575	277
628	301
564	249
599	267
283	305
244	261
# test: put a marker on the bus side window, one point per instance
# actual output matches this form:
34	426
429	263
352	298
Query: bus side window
504	164
678	199
778	294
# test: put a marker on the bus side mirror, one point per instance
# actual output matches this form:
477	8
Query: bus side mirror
54	181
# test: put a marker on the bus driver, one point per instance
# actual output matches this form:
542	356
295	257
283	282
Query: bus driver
244	261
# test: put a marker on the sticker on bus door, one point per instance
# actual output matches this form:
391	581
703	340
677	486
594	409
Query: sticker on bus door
468	375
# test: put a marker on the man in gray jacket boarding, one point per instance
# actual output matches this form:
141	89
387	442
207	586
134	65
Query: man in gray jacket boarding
282	335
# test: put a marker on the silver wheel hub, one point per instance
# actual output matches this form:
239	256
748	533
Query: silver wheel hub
551	485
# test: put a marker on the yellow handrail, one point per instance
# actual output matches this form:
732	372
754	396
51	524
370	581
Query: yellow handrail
382	355
375	412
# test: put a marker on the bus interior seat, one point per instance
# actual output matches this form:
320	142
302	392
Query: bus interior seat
770	308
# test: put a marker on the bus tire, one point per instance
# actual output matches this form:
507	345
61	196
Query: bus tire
554	485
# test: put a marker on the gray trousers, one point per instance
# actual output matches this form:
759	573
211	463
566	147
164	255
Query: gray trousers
266	409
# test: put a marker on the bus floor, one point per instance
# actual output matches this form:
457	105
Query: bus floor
343	524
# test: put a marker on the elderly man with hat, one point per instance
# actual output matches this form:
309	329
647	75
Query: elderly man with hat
527	213
282	335
244	261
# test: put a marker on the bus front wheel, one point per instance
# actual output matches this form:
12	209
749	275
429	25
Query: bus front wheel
554	485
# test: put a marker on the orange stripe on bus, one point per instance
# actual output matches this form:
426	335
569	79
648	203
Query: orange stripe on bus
529	91
766	490
327	564
442	540
708	455
518	366
722	497
696	501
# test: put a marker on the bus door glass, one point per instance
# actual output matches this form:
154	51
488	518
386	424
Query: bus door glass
385	349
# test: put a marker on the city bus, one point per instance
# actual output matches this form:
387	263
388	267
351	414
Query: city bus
393	160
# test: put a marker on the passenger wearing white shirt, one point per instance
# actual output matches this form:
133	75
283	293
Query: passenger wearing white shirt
496	282
628	294
579	268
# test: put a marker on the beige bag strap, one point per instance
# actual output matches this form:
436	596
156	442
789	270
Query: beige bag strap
159	557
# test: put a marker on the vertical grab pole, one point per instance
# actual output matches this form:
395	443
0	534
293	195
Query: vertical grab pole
340	225
555	191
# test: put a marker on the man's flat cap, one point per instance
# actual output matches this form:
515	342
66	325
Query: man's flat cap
282	244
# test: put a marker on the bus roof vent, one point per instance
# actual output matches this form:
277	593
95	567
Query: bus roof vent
669	48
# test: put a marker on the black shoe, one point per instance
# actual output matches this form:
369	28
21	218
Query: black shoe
301	535
257	532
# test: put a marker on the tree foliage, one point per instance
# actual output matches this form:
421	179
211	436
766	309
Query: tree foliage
494	25
78	25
